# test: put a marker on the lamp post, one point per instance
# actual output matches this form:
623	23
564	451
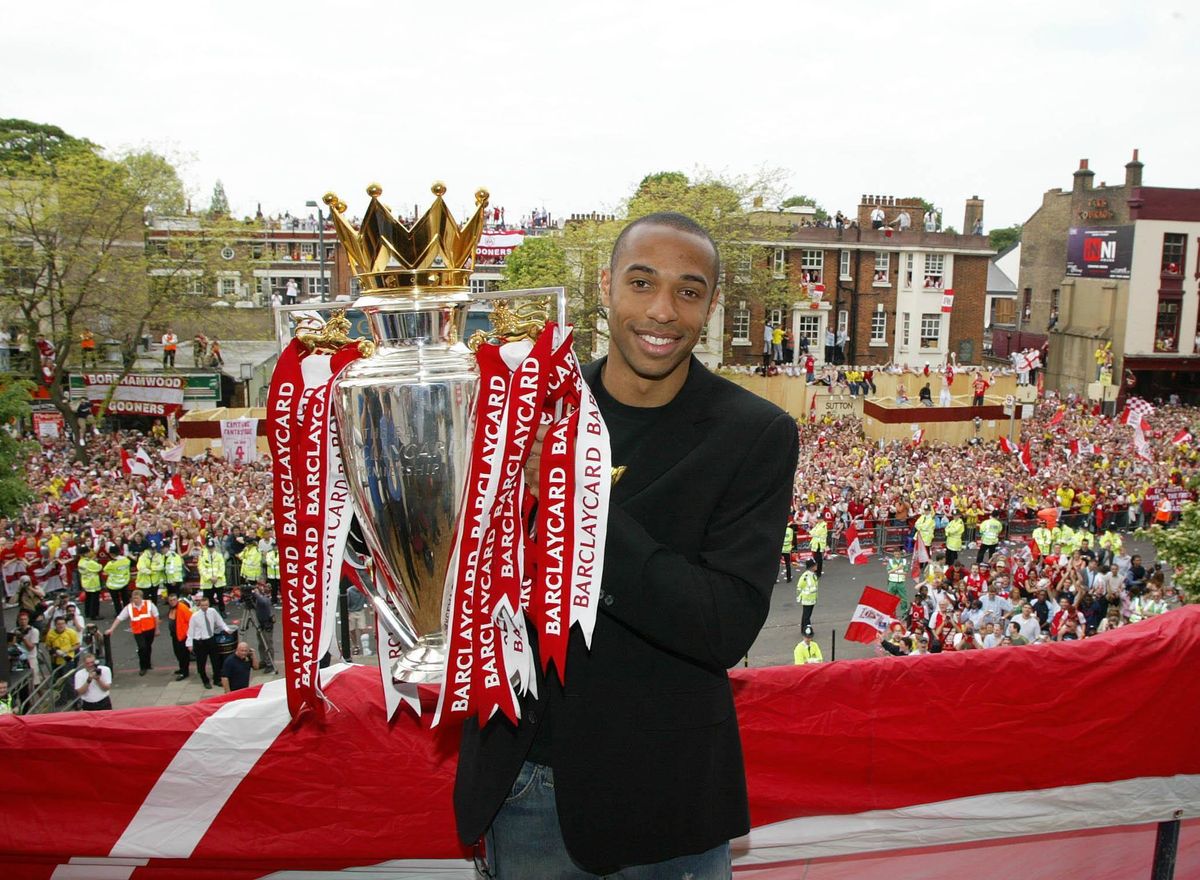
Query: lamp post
320	241
247	373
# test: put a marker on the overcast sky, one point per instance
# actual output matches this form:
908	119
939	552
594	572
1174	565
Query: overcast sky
566	105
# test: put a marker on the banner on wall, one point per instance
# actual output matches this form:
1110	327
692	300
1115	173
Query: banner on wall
238	440
1100	252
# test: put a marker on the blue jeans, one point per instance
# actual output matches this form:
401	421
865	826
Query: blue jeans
525	841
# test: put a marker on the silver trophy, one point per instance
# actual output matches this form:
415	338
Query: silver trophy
405	413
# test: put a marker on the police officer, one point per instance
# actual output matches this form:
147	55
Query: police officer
212	574
785	552
806	592
116	574
271	563
954	538
173	570
818	540
89	580
808	651
989	537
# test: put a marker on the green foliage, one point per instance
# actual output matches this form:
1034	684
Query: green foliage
1179	548
539	262
24	144
14	488
805	201
662	180
1004	237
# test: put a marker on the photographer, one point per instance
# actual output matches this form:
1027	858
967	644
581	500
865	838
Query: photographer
236	671
26	637
92	684
261	615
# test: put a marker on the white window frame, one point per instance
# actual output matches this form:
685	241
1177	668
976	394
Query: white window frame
931	320
740	325
775	316
308	250
907	332
878	328
779	263
225	284
745	269
883	265
935	272
802	323
196	285
314	286
843	324
907	274
812	264
844	266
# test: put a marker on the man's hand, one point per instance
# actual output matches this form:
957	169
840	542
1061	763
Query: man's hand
534	463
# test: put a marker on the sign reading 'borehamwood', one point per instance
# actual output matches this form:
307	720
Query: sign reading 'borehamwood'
147	394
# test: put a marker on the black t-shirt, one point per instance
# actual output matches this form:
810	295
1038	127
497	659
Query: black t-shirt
628	427
237	672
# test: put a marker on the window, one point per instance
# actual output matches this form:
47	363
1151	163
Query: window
844	265
308	250
908	270
879	328
812	266
741	327
1054	300
1166	328
1173	253
262	287
328	253
931	330
1004	311
158	247
745	266
196	284
256	251
779	263
935	270
318	286
904	337
355	287
883	265
809	327
229	287
843	321
775	316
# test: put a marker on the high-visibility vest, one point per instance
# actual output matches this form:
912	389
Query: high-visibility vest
173	568
1044	538
157	568
806	588
818	536
141	618
144	576
89	574
117	572
989	531
789	537
897	571
954	534
251	563
212	568
271	558
183	617
808	653
925	526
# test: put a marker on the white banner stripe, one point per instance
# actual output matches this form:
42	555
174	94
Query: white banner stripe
206	770
97	393
982	817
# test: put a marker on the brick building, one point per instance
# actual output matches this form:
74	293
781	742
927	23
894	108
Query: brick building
900	293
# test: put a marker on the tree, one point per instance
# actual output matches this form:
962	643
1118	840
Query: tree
1179	548
539	262
74	254
14	487
23	142
218	208
805	201
1004	237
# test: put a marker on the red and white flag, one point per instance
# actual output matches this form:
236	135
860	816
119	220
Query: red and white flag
1058	416
138	466
1136	413
948	300
920	556
1141	445
1184	436
135	503
74	495
175	453
812	409
854	548
1027	458
1007	447
876	611
950	374
918	436
1082	447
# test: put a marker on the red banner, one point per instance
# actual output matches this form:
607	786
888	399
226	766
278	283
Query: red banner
137	394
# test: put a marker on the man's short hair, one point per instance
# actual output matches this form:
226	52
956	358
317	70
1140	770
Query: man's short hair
672	220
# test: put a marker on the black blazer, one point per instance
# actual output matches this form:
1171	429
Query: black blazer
646	754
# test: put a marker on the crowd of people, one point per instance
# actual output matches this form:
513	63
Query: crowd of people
979	540
175	543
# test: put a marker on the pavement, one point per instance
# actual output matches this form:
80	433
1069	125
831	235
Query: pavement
840	588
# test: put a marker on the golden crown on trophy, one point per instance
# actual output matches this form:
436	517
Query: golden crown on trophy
388	256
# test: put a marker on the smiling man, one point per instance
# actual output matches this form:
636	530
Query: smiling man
635	765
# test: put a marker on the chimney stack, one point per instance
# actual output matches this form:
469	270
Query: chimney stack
758	201
1133	172
1083	177
973	214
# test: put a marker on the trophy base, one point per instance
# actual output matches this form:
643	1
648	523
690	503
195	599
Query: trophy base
424	662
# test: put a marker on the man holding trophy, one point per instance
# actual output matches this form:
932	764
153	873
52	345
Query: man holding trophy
634	764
